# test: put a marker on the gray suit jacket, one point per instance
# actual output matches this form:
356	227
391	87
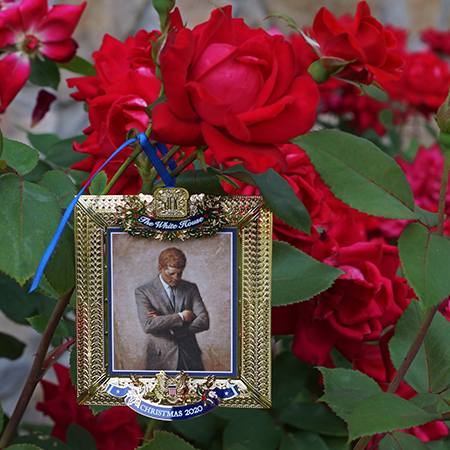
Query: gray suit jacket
173	345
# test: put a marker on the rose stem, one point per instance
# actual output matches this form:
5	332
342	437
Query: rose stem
429	316
122	169
36	370
150	181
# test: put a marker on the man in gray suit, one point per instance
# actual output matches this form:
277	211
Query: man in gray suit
171	310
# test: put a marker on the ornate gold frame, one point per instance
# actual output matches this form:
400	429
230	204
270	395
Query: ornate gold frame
93	215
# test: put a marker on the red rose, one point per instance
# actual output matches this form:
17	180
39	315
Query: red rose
438	41
234	89
361	303
117	97
308	187
362	45
424	83
113	429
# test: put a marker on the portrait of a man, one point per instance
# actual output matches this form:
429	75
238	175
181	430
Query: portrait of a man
172	306
171	310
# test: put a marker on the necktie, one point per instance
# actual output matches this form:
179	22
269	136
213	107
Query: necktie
172	297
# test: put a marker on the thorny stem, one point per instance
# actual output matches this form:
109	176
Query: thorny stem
122	169
36	371
429	316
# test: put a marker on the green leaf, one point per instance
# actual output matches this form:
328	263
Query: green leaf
401	441
386	412
166	441
429	219
410	153
73	365
44	442
278	195
428	402
35	176
42	142
21	157
60	270
44	72
62	153
375	93
296	276
430	370
346	388
23	447
289	376
313	417
61	185
199	181
79	65
10	347
29	216
16	303
200	429
98	409
359	173
256	429
282	201
79	439
290	21
425	258
39	323
302	440
98	184
1	142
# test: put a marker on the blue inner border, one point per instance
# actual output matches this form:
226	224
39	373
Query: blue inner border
234	309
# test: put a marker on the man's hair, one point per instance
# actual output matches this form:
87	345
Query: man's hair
172	257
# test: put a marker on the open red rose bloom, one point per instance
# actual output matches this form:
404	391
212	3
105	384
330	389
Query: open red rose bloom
234	89
359	48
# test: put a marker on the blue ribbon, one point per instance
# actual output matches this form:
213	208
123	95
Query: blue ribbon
159	166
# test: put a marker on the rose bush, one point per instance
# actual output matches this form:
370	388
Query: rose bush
234	89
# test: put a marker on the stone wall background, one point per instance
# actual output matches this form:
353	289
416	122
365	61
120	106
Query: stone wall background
123	18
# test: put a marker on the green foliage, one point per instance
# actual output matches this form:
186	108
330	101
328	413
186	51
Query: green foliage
201	429
430	370
166	441
279	197
39	323
16	303
300	440
424	258
401	441
29	215
61	185
359	173
314	417
23	447
198	181
44	442
296	276
22	158
289	378
386	412
79	65
428	218
346	388
10	348
1	418
79	439
98	184
61	153
256	429
44	72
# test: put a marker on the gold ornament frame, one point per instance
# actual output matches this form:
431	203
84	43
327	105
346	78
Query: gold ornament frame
253	222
